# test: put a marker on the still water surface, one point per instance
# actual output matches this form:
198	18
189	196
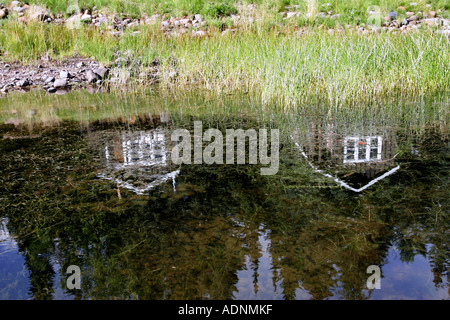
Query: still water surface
105	196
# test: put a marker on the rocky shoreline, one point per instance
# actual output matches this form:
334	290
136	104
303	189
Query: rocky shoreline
60	77
51	76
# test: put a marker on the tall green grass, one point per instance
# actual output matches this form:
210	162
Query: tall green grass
289	70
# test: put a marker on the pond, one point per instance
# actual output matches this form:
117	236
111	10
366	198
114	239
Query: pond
96	186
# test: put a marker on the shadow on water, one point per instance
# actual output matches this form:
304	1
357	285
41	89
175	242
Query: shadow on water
105	196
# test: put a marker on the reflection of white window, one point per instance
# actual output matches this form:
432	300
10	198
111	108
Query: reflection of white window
362	149
143	149
139	161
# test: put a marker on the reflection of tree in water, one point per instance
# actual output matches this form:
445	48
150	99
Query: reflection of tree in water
189	244
421	208
41	272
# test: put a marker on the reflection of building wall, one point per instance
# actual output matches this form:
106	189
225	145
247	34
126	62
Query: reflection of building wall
368	154
141	148
135	160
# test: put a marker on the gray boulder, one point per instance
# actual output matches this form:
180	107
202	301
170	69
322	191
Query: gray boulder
23	83
91	76
60	83
102	72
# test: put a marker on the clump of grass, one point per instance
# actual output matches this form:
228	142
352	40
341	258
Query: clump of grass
219	9
339	69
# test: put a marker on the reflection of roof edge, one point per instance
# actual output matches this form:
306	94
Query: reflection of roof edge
141	191
342	183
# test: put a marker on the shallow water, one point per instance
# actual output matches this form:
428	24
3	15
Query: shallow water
105	196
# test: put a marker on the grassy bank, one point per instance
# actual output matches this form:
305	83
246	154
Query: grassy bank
286	69
282	64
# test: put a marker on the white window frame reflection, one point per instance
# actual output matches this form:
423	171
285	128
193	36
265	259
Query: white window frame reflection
142	150
368	147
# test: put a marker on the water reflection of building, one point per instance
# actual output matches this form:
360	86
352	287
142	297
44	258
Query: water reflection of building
363	149
136	160
139	148
355	161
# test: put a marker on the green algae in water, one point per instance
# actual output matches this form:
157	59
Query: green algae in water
225	231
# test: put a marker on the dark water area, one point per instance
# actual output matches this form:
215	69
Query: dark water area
107	197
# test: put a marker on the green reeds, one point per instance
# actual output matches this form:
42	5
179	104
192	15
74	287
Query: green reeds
289	70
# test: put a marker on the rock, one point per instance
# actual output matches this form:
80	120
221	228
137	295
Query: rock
19	9
91	77
115	33
133	24
393	15
401	8
413	18
16	122
39	14
198	17
86	18
103	20
228	31
291	14
199	33
3	13
165	24
65	75
51	90
73	21
23	83
49	79
14	4
432	14
80	64
430	21
102	72
409	14
60	83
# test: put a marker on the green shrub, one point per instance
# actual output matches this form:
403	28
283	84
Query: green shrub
214	9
